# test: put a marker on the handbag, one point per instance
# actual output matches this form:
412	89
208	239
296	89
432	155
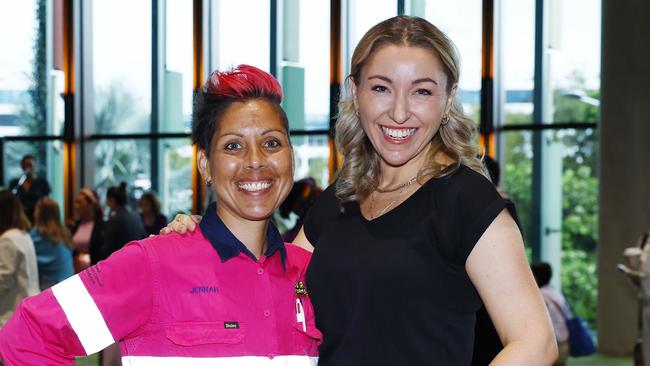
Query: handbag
581	342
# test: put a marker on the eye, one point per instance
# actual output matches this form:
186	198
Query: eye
232	146
272	144
379	89
422	91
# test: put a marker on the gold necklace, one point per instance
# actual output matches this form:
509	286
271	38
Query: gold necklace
401	187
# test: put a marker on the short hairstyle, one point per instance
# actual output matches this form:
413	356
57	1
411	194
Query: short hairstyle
542	272
239	84
360	170
153	200
12	215
118	194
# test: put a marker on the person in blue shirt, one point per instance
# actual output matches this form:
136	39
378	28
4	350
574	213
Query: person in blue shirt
52	242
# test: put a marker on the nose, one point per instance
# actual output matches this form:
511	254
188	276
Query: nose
400	112
254	158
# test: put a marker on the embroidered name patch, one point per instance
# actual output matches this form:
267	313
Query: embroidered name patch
231	325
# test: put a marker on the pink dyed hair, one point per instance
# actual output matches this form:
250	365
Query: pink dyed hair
244	81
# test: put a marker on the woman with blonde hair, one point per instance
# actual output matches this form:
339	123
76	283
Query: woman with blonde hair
413	237
52	241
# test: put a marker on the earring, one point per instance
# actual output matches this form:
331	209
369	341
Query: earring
208	183
444	120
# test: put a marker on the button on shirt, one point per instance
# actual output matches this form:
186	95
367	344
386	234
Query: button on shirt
175	300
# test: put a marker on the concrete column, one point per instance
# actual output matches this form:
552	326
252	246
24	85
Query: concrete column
624	164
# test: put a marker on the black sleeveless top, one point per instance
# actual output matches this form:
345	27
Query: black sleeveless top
394	290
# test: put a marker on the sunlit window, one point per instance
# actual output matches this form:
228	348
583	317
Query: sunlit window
239	34
121	65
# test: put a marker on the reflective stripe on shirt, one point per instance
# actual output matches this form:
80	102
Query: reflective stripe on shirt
220	361
83	314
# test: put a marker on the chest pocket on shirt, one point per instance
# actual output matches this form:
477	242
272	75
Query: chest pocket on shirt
307	336
196	334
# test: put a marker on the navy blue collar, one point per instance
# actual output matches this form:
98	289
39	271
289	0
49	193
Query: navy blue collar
228	246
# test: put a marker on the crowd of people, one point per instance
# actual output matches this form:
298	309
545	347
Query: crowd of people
388	266
39	249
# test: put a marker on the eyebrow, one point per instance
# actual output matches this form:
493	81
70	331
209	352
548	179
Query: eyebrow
265	132
416	81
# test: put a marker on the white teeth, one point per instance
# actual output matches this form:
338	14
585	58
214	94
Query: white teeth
254	187
401	133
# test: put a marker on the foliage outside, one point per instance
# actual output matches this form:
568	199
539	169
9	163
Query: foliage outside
579	196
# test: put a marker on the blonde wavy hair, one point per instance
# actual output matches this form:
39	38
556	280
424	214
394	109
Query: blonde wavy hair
359	172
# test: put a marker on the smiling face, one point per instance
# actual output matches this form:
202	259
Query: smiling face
401	98
250	163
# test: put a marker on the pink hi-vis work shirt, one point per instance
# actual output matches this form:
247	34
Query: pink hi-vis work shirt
195	299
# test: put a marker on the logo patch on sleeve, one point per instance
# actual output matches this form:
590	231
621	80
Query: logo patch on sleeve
231	325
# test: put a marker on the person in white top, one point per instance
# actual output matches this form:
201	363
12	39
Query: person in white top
18	268
558	308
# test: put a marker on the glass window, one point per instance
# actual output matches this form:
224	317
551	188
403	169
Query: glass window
117	161
574	60
311	154
574	155
239	35
461	21
516	70
121	65
26	80
516	175
315	58
175	179
178	88
363	15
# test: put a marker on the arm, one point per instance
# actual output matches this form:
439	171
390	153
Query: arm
83	314
499	270
301	240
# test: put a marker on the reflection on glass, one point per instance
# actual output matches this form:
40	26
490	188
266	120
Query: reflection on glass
178	68
48	158
122	161
122	65
239	35
312	158
574	60
175	179
517	57
461	21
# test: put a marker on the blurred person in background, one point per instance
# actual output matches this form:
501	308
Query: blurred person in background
18	269
87	230
123	225
52	242
558	308
152	219
302	196
29	187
